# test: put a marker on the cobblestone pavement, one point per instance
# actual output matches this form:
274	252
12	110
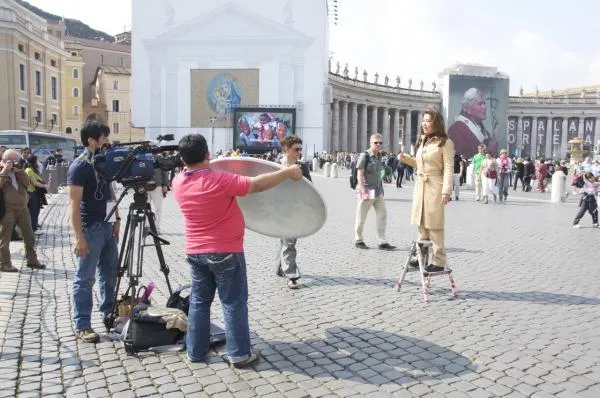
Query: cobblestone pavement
526	322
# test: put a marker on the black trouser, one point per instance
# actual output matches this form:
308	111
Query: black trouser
527	186
399	177
517	178
587	203
34	209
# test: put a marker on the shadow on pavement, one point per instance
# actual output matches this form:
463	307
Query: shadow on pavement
364	356
532	297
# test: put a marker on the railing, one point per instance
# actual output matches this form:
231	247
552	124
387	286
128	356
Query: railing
383	87
557	101
10	16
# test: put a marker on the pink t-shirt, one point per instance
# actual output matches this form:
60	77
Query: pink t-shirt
213	221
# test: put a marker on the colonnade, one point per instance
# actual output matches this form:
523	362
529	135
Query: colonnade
352	123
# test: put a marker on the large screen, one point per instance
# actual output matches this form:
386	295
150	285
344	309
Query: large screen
262	129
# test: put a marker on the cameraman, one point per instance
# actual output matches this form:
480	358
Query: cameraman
161	182
14	183
214	246
95	239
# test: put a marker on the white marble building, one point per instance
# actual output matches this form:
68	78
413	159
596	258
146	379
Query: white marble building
285	40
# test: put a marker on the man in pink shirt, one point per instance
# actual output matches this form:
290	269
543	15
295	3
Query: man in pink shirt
214	238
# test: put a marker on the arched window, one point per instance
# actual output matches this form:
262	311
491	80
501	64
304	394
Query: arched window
75	92
69	130
75	73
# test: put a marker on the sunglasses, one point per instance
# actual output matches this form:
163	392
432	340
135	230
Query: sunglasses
297	149
377	142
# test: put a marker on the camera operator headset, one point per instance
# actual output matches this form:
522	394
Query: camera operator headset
96	240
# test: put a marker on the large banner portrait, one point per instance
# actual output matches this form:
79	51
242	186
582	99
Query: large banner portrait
477	113
526	137
217	92
262	129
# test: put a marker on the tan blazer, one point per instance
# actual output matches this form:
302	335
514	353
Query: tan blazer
434	168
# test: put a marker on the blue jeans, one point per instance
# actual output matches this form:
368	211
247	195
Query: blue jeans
102	260
225	272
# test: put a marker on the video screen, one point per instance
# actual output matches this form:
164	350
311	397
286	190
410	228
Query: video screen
262	129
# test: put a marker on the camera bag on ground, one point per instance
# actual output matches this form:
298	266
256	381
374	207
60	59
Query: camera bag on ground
153	327
176	300
179	302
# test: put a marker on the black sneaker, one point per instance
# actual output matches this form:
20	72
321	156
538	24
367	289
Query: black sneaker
254	356
434	268
386	246
413	263
37	266
360	245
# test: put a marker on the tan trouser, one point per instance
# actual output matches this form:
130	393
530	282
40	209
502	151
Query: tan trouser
380	218
436	236
478	185
22	219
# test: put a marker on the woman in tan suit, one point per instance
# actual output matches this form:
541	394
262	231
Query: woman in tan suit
433	187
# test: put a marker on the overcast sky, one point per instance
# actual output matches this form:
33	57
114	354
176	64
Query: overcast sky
548	44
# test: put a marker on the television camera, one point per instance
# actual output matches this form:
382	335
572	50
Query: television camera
133	163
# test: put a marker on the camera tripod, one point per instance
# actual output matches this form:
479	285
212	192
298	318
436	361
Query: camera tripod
131	256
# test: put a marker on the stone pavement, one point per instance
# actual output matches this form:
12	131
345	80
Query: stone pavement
526	322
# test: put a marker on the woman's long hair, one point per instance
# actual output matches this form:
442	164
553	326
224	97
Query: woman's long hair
33	163
439	128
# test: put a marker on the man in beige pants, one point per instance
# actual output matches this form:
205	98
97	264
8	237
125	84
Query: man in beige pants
369	190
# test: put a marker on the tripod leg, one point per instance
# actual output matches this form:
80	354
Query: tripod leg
157	244
122	265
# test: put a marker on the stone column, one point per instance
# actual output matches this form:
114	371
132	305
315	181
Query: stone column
534	139
155	95
549	146
344	129
336	125
329	127
353	127
580	128
385	128
285	82
171	96
419	122
362	141
564	141
395	130
373	121
597	134
407	131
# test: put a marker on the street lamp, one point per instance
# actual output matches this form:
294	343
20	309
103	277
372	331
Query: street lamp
213	120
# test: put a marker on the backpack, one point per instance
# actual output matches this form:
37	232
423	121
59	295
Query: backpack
353	173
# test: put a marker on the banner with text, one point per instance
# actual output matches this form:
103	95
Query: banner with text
557	134
526	138
589	126
511	137
572	128
542	123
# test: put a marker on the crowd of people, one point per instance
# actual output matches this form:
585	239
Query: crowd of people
214	223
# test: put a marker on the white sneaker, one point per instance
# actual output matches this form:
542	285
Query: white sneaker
576	226
595	225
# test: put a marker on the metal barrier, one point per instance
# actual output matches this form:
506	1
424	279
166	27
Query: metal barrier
55	176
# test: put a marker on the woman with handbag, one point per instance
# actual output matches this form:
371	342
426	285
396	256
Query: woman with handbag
489	174
35	183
